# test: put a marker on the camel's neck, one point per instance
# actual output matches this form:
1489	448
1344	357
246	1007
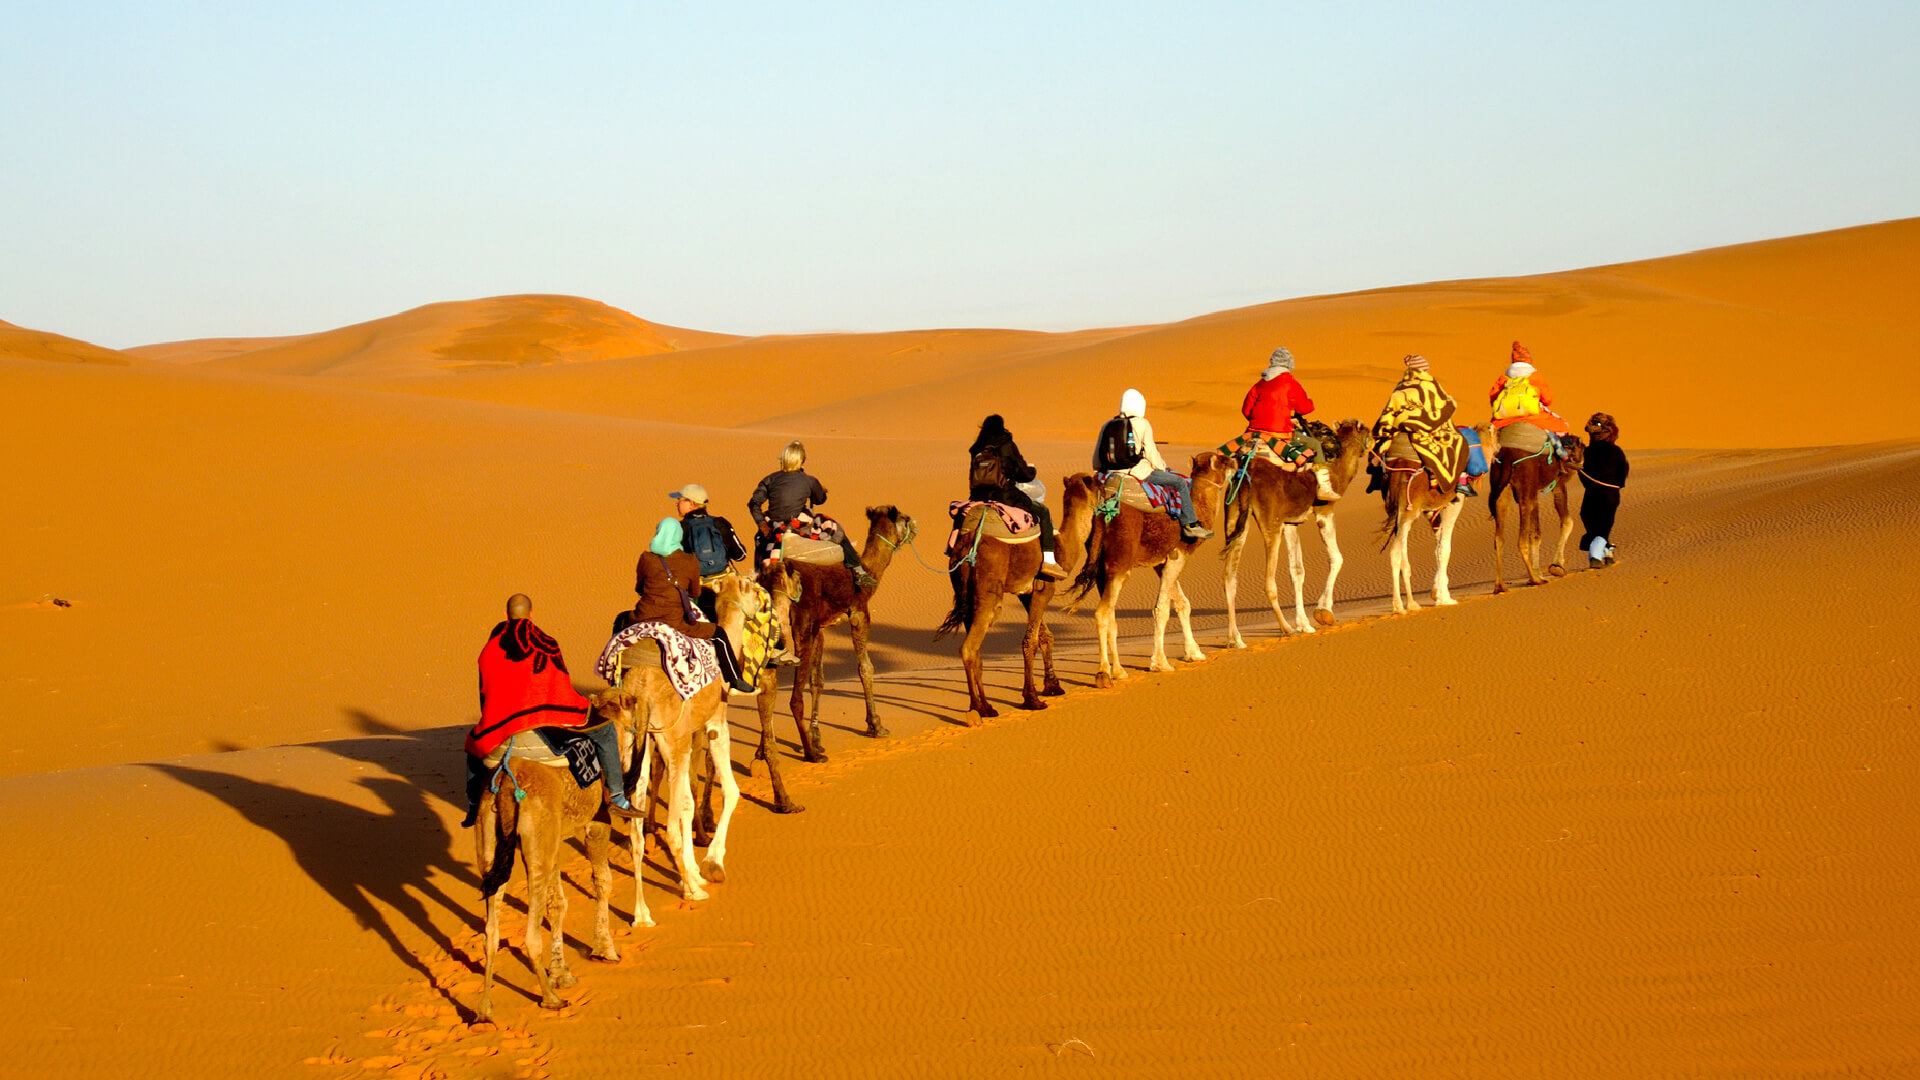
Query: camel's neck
878	552
1353	457
734	622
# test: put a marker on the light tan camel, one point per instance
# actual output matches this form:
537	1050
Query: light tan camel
1528	476
674	728
534	810
826	596
996	569
1411	496
1133	539
1279	501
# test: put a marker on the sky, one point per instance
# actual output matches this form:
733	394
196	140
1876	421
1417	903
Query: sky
181	170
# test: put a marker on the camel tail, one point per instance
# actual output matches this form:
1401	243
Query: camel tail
961	617
1392	520
506	844
1092	572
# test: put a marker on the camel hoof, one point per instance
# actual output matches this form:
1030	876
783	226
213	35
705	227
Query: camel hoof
817	757
1323	616
484	1014
1236	643
1499	587
1032	703
566	979
1159	665
1445	601
553	1001
787	806
1194	657
714	871
606	954
1053	689
876	730
1413	605
1101	681
642	919
694	893
1557	570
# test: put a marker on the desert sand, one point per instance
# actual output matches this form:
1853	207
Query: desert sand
1648	821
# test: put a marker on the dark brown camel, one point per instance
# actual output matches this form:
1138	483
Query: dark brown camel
823	596
533	813
1279	502
1528	476
1133	539
997	569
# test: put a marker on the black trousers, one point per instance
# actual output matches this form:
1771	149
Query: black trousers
1013	496
1597	509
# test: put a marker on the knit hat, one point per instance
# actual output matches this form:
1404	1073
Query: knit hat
1280	361
691	493
668	537
1415	362
1133	403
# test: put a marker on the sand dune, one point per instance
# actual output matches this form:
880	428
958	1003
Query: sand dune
1650	821
503	331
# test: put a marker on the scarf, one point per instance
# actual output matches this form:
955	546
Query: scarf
523	684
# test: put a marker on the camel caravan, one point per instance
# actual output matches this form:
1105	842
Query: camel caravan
716	617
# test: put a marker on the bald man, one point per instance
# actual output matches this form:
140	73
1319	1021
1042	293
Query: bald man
524	685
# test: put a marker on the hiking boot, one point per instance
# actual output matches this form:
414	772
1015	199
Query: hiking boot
1195	533
1464	488
618	803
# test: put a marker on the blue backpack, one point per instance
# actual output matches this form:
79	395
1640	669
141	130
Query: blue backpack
704	542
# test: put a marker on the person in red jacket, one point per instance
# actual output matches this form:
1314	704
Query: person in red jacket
1270	406
524	685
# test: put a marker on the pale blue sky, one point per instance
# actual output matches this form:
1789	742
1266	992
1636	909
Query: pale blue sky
210	169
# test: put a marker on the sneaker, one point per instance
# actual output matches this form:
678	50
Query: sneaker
1466	489
1595	564
864	580
618	802
740	685
1194	533
1608	561
784	658
1050	569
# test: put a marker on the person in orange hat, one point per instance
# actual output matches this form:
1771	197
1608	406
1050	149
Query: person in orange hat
1521	396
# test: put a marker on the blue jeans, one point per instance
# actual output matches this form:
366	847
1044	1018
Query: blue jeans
1184	486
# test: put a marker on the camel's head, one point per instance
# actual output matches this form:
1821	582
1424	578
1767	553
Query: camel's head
1576	451
1350	432
737	592
614	703
889	522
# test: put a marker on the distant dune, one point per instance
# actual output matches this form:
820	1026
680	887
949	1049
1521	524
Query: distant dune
1651	820
502	331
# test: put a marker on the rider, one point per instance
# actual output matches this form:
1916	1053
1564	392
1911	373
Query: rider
1521	396
1420	412
1270	407
1603	475
524	685
787	498
713	542
668	579
1148	466
995	473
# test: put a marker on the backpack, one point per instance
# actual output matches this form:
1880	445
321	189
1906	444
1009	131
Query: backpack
987	471
1116	450
704	542
1518	398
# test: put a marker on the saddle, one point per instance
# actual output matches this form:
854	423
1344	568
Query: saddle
802	549
1521	436
995	521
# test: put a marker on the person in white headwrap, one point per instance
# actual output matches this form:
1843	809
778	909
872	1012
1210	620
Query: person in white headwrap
1133	439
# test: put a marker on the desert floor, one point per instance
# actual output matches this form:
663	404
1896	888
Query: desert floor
1654	820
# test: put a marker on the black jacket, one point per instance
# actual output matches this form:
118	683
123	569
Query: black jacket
783	495
1013	466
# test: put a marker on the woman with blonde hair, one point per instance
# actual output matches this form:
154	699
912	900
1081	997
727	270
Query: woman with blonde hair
784	502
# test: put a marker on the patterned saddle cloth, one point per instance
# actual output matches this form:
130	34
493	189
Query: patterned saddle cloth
991	519
690	663
1123	489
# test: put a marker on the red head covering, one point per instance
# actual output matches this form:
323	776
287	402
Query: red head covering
1521	355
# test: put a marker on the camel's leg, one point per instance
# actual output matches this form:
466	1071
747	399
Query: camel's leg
1559	565
1530	537
1230	554
1050	684
1107	626
599	840
809	651
703	806
1499	537
816	684
1032	645
485	1011
1162	607
984	612
859	626
539	848
678	765
637	830
1397	563
1183	607
1323	520
1407	521
720	751
764	703
1443	551
563	975
1297	569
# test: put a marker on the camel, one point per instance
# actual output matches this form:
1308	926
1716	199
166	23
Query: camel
533	812
997	569
1410	495
1282	501
674	728
1133	539
823	596
1527	476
